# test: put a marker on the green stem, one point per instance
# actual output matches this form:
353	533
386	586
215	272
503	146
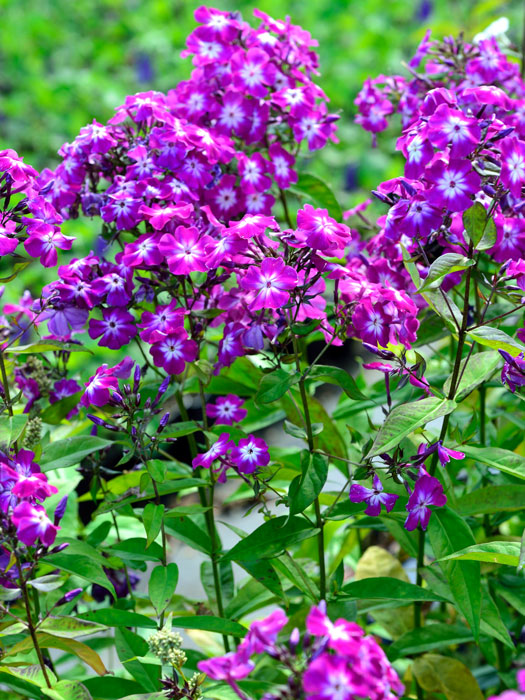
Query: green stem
30	625
317	506
7	395
209	518
285	207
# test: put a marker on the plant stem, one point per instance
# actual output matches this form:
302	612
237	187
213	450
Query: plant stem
285	207
209	518
30	625
317	505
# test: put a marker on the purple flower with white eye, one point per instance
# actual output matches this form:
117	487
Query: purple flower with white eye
252	170
117	328
421	218
123	210
253	72
452	127
158	216
8	239
372	323
331	678
375	497
159	323
218	449
184	250
31	483
115	288
231	667
32	524
143	252
419	152
250	454
173	352
454	184
341	633
513	165
227	410
62	319
268	285
427	492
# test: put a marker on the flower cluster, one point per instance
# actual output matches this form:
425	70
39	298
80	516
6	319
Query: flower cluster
334	660
23	488
246	457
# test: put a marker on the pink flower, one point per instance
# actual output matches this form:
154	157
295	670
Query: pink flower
218	449
44	242
97	392
227	410
283	163
331	678
321	231
372	324
32	523
253	72
184	250
513	165
341	633
268	285
452	127
173	352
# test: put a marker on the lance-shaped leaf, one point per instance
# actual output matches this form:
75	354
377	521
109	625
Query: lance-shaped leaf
442	674
507	553
274	385
305	488
339	377
491	499
442	266
71	646
318	193
162	584
404	419
68	690
272	538
480	229
497	339
70	451
479	369
504	460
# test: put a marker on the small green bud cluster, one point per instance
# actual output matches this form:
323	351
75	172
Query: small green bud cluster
166	645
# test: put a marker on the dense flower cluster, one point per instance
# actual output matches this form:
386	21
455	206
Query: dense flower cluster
334	660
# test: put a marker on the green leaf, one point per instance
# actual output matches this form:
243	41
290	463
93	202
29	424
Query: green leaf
272	538
162	584
386	588
47	583
183	511
136	549
507	553
29	674
81	565
129	646
480	229
11	427
444	307
70	627
491	499
428	638
339	377
17	269
181	429
71	646
209	623
115	617
187	531
56	412
68	690
504	460
404	419
70	451
319	194
226	581
442	266
274	385
263	571
491	622
497	339
307	487
46	346
479	369
449	532
152	519
442	674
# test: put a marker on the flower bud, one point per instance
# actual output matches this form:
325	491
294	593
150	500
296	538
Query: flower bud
69	596
60	510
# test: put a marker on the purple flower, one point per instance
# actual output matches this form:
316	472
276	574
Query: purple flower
44	242
226	410
61	390
218	449
452	127
454	184
173	352
231	667
331	678
164	320
117	328
32	523
513	165
268	284
428	491
97	392
250	454
320	230
123	210
513	372
372	324
184	250
375	498
341	633
283	163
262	634
31	483
253	71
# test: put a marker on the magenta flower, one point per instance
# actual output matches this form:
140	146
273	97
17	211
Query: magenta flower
262	634
231	667
268	284
250	454
513	165
31	483
123	210
8	239
454	184
452	127
427	492
331	678
97	391
173	352
117	328
418	152
321	231
253	72
42	243
62	389
116	289
341	633
164	320
513	372
252	170
32	524
143	252
252	225
283	163
184	250
158	216
227	410
218	449
375	497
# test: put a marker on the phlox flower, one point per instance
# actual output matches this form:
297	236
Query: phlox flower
173	352
226	410
374	497
268	285
42	243
250	454
32	524
116	328
341	634
218	449
320	230
427	492
454	184
513	165
184	250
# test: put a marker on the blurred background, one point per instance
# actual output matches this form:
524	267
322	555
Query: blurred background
65	62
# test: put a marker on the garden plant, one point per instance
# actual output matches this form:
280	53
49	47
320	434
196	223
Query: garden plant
350	381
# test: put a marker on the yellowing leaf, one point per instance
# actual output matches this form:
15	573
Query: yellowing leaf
442	674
